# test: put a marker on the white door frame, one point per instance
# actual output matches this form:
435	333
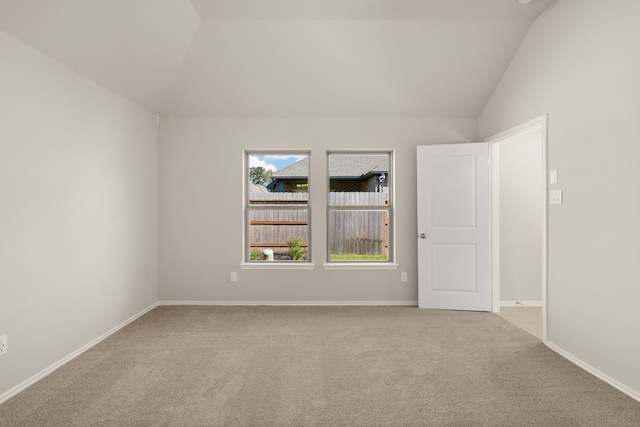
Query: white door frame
537	123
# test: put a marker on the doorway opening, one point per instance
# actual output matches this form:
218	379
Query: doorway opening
519	224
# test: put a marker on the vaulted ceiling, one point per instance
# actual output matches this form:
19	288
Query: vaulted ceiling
283	58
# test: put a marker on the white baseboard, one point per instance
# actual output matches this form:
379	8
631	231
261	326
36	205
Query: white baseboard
40	375
520	303
294	303
593	371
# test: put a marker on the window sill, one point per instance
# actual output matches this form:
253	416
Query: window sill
277	266
360	266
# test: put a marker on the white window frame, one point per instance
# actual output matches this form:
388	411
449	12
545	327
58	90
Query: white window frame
389	263
247	263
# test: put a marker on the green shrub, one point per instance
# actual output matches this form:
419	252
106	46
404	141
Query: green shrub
255	254
295	251
357	257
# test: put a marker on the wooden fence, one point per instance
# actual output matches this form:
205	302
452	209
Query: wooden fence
272	229
358	231
351	231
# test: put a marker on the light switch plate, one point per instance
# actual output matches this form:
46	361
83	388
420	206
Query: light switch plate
553	176
555	197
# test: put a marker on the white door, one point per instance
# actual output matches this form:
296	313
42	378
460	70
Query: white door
454	227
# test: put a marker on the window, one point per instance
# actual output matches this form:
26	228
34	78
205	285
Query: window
277	214
360	208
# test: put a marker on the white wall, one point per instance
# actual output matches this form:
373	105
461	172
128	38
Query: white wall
201	205
580	63
78	204
521	217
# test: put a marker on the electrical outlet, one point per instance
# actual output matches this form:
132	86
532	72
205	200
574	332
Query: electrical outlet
403	276
3	345
555	197
234	276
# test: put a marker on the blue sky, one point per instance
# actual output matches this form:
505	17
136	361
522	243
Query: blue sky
274	162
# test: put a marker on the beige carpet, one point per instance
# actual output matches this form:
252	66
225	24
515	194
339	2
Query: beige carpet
319	366
529	319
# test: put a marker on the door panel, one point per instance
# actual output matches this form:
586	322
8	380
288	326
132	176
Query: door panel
454	227
446	274
447	211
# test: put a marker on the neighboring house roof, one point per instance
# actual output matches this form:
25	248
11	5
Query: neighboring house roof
295	170
346	166
255	188
341	166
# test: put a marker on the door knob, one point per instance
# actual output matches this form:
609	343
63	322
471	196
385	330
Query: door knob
423	236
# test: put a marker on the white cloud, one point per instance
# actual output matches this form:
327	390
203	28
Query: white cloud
255	162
